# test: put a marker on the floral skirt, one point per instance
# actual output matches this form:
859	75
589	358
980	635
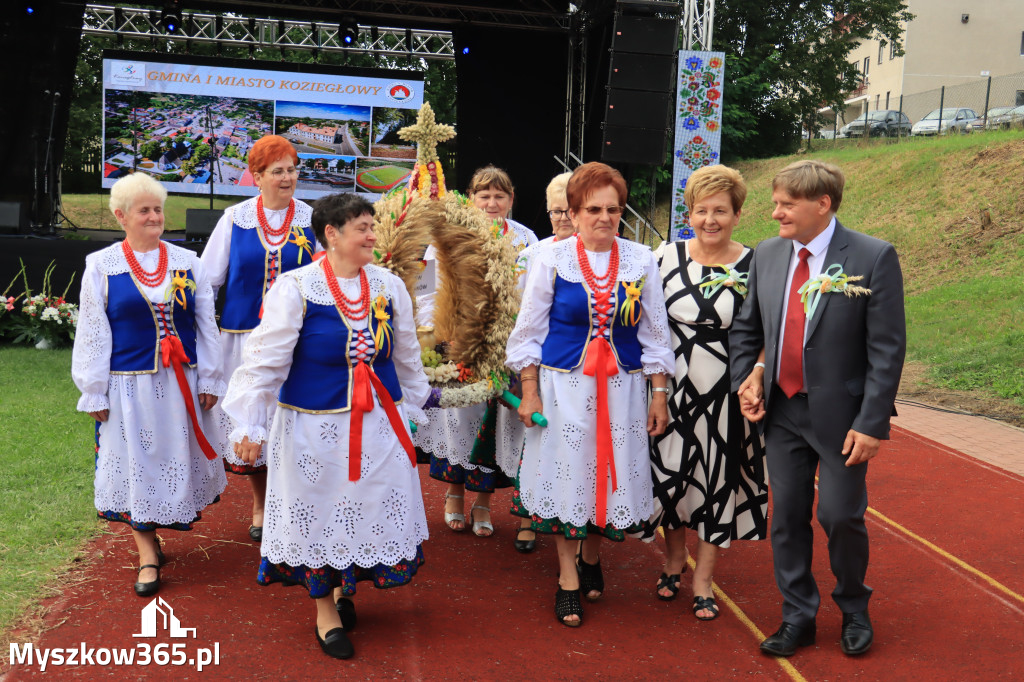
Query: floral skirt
126	517
320	582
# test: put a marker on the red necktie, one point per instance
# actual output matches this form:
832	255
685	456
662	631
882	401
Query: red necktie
791	363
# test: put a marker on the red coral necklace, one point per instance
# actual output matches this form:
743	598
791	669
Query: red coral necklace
279	233
149	279
352	309
601	286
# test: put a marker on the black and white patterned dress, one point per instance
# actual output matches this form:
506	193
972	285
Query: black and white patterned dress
708	466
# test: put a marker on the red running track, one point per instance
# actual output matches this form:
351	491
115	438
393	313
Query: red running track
946	531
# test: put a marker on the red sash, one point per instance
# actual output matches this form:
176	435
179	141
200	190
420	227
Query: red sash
600	363
171	350
363	378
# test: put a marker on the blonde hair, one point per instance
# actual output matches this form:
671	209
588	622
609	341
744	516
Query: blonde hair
490	177
711	180
556	189
129	188
811	179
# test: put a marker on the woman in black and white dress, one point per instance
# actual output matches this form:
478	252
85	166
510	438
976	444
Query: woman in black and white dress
708	466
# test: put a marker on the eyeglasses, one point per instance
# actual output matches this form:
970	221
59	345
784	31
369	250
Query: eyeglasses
558	214
613	211
279	173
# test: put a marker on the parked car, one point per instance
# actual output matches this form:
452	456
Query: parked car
1014	118
954	119
995	119
881	122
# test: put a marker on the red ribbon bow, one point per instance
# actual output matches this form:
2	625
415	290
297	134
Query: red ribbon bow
600	363
171	350
363	377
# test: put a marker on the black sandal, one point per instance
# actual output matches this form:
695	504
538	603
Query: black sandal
591	578
705	604
670	583
567	603
347	610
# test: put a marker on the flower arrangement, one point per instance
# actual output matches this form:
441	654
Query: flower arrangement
832	280
46	320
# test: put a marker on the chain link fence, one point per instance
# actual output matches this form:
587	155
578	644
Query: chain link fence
988	103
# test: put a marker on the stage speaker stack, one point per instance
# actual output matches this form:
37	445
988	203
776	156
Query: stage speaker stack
199	223
641	83
13	217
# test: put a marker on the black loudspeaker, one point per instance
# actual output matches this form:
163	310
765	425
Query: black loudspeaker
199	223
638	109
634	145
641	86
13	217
643	72
645	35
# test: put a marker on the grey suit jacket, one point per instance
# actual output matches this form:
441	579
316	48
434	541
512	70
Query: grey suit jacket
854	346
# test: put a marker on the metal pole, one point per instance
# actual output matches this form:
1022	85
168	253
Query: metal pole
899	134
942	101
988	91
209	126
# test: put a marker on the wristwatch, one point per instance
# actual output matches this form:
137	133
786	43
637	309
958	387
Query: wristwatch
661	390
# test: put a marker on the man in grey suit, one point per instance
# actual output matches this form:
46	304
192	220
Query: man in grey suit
825	392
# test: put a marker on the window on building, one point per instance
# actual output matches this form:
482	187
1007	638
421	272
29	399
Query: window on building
892	51
1022	43
878	100
881	50
867	64
887	99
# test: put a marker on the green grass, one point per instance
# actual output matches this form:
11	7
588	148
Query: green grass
965	316
46	475
92	211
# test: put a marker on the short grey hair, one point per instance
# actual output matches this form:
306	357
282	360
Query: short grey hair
128	189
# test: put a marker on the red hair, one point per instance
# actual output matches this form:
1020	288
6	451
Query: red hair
591	177
269	149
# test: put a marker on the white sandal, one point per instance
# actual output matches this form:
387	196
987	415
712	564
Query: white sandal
481	525
450	517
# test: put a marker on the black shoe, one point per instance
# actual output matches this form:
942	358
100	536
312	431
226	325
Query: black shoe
347	611
591	577
857	633
335	644
567	603
788	638
151	588
525	546
256	533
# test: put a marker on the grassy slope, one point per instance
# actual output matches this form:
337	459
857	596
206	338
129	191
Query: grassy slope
92	212
963	279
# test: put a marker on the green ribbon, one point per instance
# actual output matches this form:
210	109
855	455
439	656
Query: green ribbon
713	281
811	291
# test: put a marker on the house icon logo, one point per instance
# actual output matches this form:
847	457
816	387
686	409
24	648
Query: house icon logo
159	612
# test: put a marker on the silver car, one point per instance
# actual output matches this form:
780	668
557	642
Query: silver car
995	118
953	119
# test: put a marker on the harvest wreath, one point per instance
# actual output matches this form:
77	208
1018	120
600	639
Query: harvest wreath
477	300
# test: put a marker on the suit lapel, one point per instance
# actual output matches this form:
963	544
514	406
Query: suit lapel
836	253
775	288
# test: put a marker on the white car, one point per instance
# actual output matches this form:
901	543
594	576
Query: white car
954	119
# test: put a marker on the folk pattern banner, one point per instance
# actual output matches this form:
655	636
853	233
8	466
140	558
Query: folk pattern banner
698	138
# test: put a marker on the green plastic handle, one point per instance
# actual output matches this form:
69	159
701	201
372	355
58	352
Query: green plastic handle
538	418
412	426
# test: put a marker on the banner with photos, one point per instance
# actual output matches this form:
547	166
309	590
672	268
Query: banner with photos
698	137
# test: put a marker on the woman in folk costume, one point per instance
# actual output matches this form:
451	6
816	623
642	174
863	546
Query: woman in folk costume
253	243
336	351
147	361
453	432
590	333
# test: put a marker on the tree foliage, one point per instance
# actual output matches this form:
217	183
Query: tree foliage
788	59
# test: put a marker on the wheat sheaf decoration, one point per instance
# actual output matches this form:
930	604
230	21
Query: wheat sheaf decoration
477	300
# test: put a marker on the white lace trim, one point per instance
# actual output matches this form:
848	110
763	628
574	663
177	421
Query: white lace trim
633	260
522	236
244	214
257	434
217	388
93	402
111	260
313	285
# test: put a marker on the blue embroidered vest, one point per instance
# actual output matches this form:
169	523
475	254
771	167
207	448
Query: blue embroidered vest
569	329
320	379
137	324
252	270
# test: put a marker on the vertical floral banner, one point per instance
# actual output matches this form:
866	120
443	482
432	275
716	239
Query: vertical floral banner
698	127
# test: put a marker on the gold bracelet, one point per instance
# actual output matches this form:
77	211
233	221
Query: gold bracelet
532	377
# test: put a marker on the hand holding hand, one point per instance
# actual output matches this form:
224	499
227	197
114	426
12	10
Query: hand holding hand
860	447
248	451
751	393
207	400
